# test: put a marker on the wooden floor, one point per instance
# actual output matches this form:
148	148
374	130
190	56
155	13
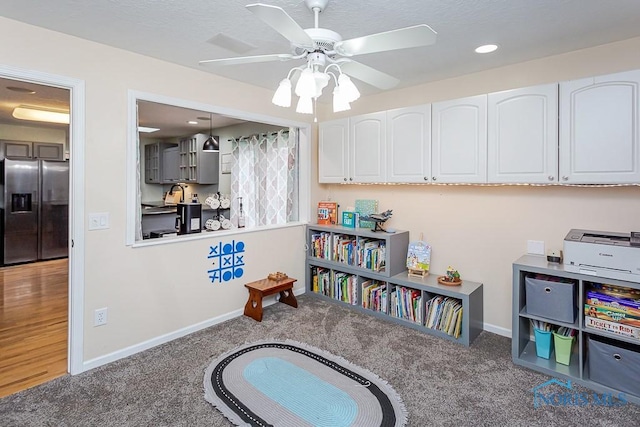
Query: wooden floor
33	324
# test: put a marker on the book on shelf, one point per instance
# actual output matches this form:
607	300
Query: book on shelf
419	256
327	213
350	219
612	327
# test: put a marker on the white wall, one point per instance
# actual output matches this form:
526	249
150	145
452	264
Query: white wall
481	230
150	291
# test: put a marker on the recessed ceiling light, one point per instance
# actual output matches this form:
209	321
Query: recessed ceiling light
192	122
21	89
147	129
487	48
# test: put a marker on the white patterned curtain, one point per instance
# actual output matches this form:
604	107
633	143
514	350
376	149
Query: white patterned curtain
264	174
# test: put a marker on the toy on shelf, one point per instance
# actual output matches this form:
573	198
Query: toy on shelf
452	278
378	219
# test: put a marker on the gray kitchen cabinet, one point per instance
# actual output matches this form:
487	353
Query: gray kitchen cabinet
197	166
153	161
170	165
32	150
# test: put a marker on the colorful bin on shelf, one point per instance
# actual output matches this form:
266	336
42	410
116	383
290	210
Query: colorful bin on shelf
564	347
544	343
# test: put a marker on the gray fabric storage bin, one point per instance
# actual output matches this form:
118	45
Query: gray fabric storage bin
552	300
616	366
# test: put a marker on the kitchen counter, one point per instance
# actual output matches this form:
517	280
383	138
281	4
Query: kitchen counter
151	208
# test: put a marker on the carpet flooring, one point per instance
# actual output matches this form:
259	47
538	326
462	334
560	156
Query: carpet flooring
440	382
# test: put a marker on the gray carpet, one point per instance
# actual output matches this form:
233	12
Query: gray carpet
441	383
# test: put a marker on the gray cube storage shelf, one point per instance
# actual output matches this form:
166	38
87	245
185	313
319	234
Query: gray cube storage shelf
394	275
611	376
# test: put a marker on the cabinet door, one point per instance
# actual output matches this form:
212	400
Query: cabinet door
523	135
409	144
367	135
48	151
18	149
459	142
599	119
152	163
333	151
170	162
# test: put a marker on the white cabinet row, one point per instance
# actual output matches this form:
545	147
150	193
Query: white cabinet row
576	132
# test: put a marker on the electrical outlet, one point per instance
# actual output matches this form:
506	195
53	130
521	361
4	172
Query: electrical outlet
535	247
100	317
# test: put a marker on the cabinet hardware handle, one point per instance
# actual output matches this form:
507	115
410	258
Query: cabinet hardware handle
547	290
345	179
433	178
426	178
551	178
617	356
565	178
350	179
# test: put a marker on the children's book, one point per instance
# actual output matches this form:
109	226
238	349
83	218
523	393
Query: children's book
419	256
327	213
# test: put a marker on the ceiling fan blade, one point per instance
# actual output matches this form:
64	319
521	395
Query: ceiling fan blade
403	38
368	75
280	21
248	59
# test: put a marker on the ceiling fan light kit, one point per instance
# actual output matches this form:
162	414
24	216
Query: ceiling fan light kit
327	56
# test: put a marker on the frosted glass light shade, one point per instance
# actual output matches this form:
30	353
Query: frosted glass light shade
306	86
282	97
339	101
347	88
305	106
40	115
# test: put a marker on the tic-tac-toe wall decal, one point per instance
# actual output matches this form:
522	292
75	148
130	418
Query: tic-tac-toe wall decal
227	261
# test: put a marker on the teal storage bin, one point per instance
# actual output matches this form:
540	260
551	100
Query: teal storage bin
544	343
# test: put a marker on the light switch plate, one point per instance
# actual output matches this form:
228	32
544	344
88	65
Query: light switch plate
98	221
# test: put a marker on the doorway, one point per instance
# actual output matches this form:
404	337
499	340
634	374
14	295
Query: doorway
50	343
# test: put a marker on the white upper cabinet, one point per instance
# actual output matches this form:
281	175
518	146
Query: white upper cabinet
599	120
367	135
333	151
409	144
459	142
523	135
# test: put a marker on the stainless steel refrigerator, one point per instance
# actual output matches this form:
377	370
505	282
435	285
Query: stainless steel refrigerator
35	210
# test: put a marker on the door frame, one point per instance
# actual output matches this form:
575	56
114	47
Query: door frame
76	203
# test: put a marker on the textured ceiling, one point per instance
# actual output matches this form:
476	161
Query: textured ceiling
187	31
179	31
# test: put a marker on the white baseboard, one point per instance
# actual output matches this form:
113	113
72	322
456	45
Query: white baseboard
163	339
498	330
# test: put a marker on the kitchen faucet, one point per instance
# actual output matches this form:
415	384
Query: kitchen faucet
182	191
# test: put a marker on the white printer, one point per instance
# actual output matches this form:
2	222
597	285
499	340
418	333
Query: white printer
603	254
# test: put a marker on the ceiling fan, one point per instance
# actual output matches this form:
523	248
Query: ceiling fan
327	55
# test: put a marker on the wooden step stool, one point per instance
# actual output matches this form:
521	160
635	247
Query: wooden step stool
266	287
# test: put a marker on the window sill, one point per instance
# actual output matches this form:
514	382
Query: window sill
213	234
